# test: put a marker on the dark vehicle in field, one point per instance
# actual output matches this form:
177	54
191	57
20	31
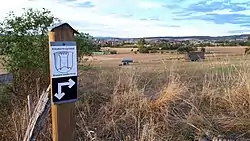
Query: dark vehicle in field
126	61
195	56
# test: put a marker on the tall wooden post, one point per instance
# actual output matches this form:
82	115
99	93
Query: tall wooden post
63	122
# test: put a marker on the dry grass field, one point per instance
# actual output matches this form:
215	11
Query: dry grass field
222	50
215	53
226	50
1	66
155	99
158	98
167	100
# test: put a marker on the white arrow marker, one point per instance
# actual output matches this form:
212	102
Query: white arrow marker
60	94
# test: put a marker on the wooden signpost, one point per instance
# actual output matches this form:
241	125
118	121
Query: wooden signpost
63	81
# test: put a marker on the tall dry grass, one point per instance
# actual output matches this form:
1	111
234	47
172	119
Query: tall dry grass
14	115
129	104
174	105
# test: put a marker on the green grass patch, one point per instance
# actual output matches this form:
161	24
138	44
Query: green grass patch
5	96
225	69
86	67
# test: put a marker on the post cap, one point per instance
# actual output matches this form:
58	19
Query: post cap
52	28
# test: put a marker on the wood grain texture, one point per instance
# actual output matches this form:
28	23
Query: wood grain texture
39	117
63	122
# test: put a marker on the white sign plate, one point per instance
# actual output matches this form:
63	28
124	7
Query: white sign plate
63	57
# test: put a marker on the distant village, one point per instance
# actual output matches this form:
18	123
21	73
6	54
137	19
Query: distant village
201	41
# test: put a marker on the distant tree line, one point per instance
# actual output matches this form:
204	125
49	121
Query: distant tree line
174	45
184	46
181	47
232	43
120	44
1	47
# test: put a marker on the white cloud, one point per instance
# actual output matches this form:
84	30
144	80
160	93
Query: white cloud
229	11
97	23
239	1
149	4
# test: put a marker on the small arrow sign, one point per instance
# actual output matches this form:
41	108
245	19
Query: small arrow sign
59	93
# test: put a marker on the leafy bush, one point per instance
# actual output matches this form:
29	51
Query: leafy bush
4	96
203	49
24	42
113	52
186	49
86	45
247	50
25	45
1	47
141	46
144	50
153	51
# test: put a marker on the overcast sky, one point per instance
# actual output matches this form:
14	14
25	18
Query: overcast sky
141	18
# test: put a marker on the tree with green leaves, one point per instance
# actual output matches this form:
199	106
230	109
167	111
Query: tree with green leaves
85	45
24	39
24	43
25	47
203	49
248	38
1	47
141	43
186	49
141	46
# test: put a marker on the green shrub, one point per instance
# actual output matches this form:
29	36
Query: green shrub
24	42
113	52
85	45
144	50
186	49
153	51
25	45
5	96
247	50
203	49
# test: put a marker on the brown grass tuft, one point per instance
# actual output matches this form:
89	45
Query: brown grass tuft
126	104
